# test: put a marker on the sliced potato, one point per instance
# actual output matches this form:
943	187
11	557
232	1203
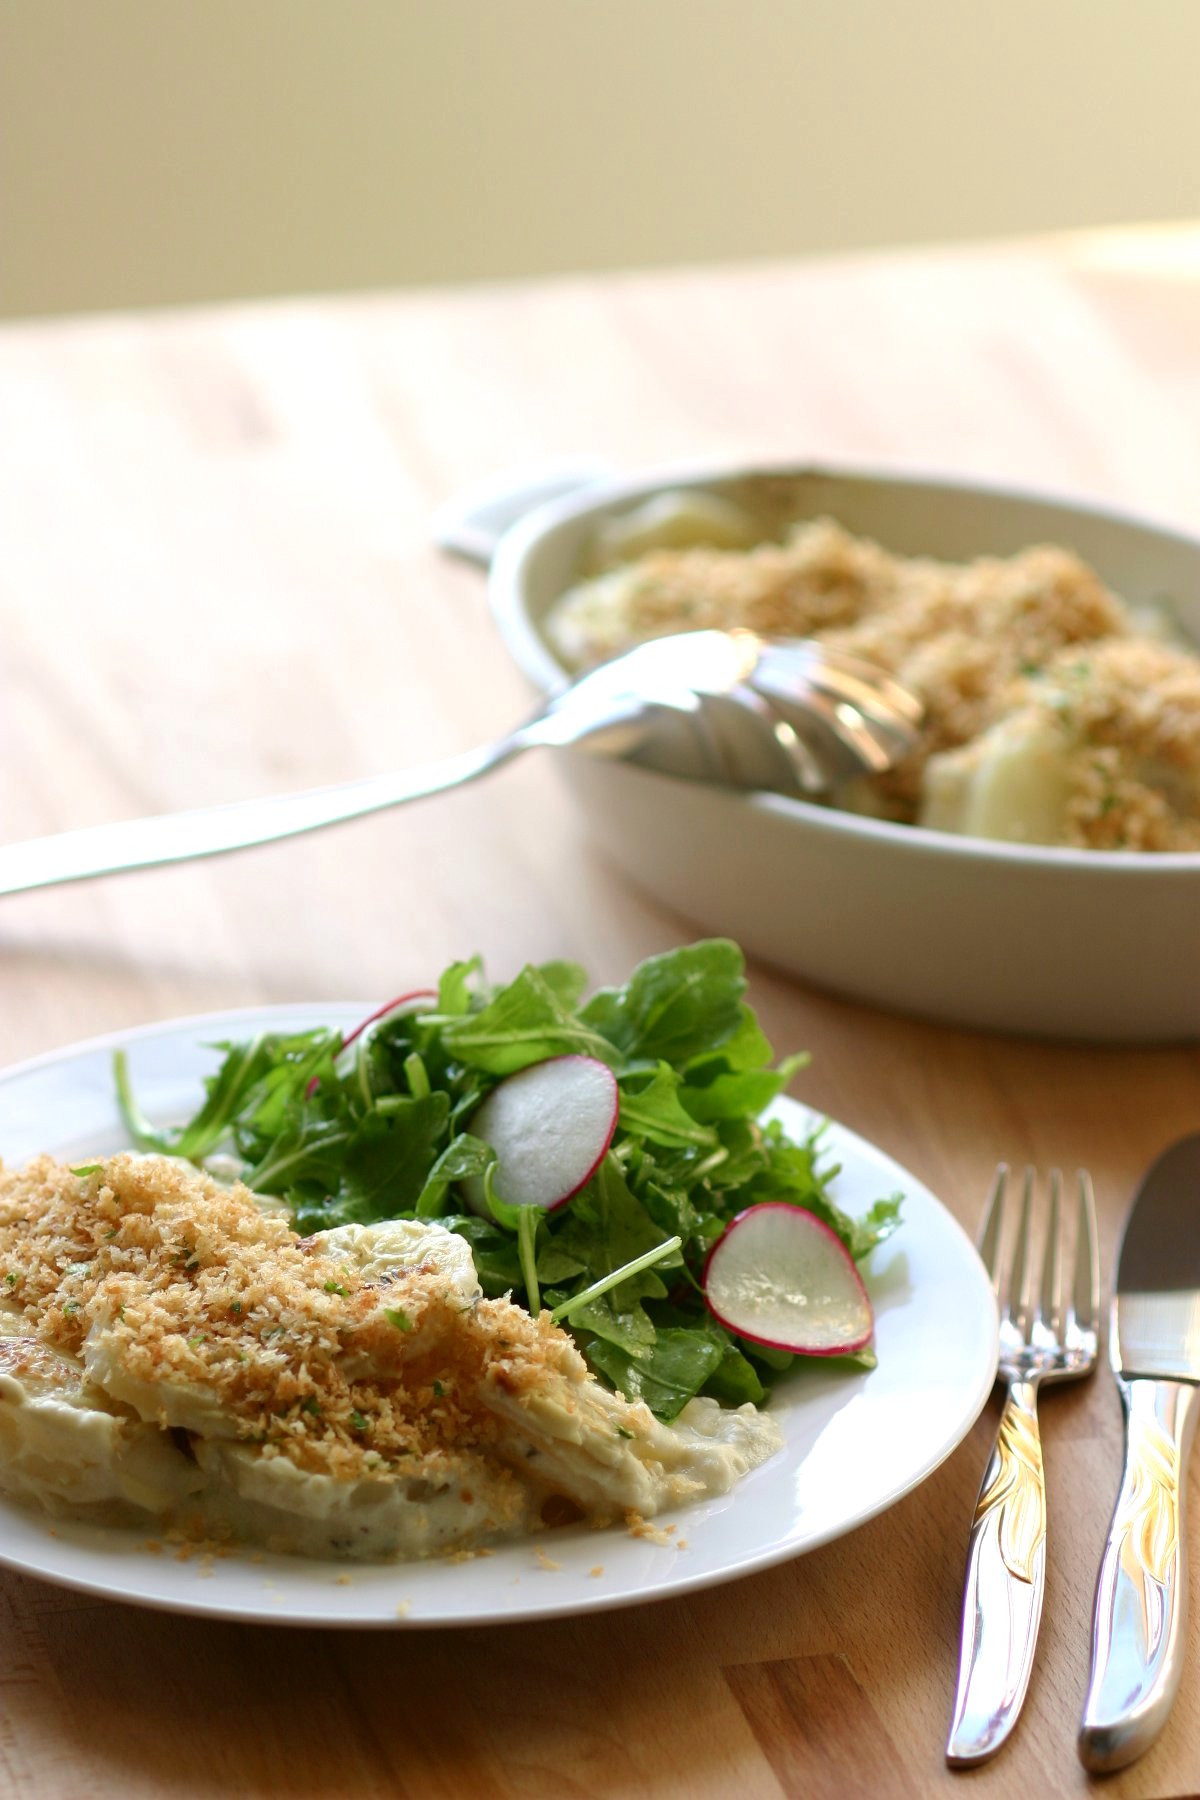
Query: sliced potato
1012	783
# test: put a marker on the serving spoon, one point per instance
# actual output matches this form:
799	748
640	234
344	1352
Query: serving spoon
789	716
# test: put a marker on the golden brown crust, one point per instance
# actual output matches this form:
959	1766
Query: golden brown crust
190	1283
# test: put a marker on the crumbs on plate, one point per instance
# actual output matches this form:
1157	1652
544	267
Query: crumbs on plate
641	1528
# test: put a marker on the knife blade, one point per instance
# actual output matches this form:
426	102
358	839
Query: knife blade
1154	1344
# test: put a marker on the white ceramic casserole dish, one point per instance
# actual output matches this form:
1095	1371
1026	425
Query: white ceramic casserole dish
1095	945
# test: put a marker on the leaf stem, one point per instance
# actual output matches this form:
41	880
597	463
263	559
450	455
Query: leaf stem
527	1224
418	1076
207	1129
136	1123
259	1179
645	1261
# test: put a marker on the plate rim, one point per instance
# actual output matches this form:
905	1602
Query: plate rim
674	1587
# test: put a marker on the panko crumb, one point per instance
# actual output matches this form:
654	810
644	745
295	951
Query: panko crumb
344	1581
208	1549
642	1528
544	1561
597	1571
403	1609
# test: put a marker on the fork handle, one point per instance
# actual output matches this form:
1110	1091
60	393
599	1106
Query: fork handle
1005	1581
1141	1590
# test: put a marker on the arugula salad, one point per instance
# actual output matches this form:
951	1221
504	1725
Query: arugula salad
378	1124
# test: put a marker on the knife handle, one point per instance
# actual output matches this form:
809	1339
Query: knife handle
1005	1581
1141	1590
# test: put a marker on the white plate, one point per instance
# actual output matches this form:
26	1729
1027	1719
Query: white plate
855	1441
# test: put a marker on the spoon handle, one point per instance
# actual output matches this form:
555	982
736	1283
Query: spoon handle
213	830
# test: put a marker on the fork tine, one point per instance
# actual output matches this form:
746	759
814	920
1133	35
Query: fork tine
854	711
830	668
866	698
806	770
1085	1298
1016	1304
1049	1307
873	745
993	1219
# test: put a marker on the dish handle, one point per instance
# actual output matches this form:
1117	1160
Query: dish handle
471	523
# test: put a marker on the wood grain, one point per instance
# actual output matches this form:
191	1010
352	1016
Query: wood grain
217	581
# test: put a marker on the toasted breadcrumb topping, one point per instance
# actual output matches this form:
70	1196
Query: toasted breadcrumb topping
191	1283
974	641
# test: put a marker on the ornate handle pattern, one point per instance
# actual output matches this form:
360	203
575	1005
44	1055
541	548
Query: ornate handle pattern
1141	1590
1005	1582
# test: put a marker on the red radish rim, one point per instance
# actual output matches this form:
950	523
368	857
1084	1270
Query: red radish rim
751	1337
382	1011
379	1013
567	1056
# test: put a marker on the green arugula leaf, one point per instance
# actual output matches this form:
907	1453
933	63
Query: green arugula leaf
523	1023
748	1048
463	1156
667	1375
497	1262
606	1226
565	979
735	1380
455	987
630	1328
654	1110
375	1170
245	1068
739	1093
673	1007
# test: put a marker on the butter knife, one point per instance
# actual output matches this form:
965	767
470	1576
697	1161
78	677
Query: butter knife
1154	1343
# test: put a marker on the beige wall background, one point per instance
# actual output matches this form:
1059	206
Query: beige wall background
159	151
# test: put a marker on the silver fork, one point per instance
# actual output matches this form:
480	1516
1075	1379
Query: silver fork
1006	1559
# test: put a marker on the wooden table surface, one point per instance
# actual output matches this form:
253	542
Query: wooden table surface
216	581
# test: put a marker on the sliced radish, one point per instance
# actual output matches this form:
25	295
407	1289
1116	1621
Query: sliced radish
549	1125
780	1277
380	1012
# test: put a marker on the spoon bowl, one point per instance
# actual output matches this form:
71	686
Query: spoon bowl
787	716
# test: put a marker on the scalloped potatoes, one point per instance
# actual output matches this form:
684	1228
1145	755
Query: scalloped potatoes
1053	713
176	1353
